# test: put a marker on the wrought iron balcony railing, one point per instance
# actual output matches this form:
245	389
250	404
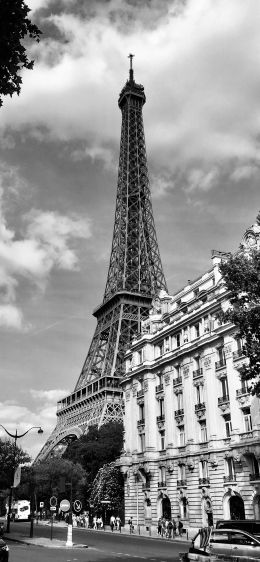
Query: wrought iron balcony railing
237	354
197	373
177	381
223	399
162	484
160	418
159	388
140	393
220	364
178	413
230	478
203	481
254	477
140	422
200	406
242	392
181	483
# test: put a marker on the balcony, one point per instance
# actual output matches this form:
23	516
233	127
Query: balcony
140	393
230	478
141	422
181	483
223	400
242	392
160	418
220	364
146	486
198	373
162	484
203	481
159	388
254	477
177	381
200	406
238	354
178	413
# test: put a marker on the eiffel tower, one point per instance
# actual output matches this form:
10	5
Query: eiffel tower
135	275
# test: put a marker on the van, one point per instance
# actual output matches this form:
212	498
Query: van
250	525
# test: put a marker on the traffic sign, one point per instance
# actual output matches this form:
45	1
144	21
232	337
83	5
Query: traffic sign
53	501
52	508
41	504
65	505
77	505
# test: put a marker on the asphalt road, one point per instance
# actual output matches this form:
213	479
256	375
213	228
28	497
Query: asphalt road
102	547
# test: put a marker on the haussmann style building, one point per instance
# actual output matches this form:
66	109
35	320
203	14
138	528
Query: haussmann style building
192	429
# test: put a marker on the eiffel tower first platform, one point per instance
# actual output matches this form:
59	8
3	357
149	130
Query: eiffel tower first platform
135	275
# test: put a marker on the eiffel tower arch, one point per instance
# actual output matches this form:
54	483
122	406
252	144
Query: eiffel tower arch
135	275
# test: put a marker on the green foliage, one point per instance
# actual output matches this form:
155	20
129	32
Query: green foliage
96	448
14	27
108	486
241	273
10	458
50	476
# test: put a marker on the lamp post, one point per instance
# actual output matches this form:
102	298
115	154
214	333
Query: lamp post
15	436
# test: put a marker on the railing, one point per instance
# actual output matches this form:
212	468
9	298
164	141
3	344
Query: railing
177	381
181	483
220	364
179	413
160	418
203	481
146	486
200	406
140	422
162	484
197	373
223	399
159	387
140	393
254	476
242	391
237	354
230	478
246	435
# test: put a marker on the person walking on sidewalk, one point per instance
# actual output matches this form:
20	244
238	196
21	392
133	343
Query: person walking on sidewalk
130	523
179	526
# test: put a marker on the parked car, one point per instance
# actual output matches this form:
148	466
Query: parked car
4	551
252	526
224	542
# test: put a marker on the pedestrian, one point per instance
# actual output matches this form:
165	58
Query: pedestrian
130	523
94	522
173	528
179	526
112	522
118	523
159	526
163	527
170	528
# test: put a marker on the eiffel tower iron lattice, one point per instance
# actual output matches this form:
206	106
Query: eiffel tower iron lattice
135	275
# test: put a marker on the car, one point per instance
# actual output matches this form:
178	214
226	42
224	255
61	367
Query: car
4	551
252	526
224	542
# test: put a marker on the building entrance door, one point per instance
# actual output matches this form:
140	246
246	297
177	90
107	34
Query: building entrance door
166	508
237	509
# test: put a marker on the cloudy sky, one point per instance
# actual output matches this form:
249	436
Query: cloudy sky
199	62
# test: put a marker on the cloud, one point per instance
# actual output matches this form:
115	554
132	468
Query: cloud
42	413
244	172
199	180
47	243
160	184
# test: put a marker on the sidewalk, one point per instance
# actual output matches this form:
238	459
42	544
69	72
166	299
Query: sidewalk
56	543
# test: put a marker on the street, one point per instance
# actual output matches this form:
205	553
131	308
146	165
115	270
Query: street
102	546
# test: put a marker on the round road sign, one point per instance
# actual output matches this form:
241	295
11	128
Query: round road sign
65	505
77	505
53	501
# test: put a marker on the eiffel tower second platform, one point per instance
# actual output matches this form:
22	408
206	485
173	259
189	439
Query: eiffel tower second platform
135	276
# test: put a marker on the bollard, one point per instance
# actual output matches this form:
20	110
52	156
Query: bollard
150	531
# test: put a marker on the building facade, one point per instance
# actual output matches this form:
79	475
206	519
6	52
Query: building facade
192	428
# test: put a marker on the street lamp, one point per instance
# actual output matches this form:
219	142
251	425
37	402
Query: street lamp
15	436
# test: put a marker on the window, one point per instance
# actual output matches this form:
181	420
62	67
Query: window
199	394
162	439
247	419
203	431
221	355
181	435
167	346
185	335
161	407
141	411
139	357
177	371
197	330
244	386
203	467
206	322
178	340
182	472
228	425
230	469
224	385
179	401
142	442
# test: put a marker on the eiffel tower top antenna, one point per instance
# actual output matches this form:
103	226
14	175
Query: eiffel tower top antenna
131	72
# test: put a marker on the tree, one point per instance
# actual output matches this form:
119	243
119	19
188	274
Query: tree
15	26
54	476
10	458
97	447
241	274
108	486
